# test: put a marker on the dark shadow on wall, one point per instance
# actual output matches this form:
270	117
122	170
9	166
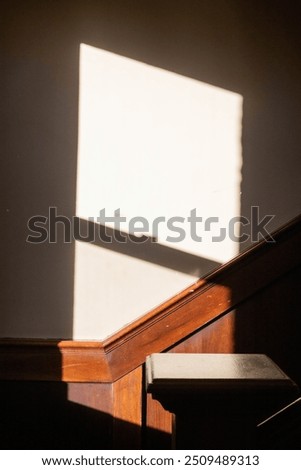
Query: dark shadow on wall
144	248
249	48
39	108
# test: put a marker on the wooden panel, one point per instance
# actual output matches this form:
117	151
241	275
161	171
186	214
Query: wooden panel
38	415
158	425
96	396
218	337
127	410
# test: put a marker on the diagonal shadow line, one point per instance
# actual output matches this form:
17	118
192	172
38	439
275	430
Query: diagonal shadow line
143	248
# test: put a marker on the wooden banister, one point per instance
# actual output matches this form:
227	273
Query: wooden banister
195	307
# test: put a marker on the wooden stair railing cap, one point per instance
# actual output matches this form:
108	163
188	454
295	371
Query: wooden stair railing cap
213	372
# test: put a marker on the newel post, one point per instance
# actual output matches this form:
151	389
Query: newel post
218	399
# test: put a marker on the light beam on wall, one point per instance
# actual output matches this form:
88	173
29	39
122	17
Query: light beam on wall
151	143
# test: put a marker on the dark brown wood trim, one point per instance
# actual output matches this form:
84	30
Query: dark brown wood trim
195	307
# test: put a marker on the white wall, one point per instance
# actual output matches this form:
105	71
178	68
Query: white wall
151	143
240	52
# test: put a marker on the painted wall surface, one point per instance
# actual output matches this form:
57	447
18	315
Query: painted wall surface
250	51
150	142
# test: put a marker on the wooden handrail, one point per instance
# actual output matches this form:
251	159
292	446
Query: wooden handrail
195	307
206	300
219	276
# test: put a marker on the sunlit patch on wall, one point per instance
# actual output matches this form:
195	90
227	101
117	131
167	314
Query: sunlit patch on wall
153	143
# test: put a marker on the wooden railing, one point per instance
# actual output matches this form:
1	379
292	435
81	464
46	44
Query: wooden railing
192	309
259	288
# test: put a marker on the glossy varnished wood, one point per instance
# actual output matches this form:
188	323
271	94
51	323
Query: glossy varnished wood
67	361
127	410
158	425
